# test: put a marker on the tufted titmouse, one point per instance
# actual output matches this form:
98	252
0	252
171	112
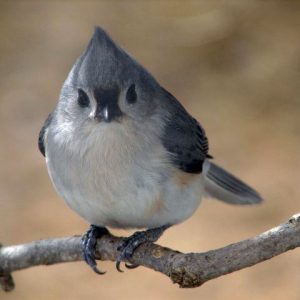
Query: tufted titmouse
124	153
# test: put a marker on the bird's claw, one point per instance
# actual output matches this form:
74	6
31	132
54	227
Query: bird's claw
127	249
89	242
132	242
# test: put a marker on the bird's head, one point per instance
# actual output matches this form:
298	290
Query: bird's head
107	85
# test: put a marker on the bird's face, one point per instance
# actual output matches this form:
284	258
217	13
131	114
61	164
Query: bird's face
105	105
107	86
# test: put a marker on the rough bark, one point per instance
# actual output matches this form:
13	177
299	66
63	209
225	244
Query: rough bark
188	270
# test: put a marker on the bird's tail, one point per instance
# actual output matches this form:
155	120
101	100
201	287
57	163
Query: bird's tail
223	186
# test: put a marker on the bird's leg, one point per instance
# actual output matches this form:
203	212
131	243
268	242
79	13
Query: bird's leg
89	241
132	242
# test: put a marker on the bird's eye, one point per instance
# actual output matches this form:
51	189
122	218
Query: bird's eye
131	95
83	99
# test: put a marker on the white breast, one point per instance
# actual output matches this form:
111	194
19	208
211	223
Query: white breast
119	178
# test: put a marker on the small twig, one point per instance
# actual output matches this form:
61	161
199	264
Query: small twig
188	270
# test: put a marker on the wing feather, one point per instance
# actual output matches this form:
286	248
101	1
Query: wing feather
184	138
41	140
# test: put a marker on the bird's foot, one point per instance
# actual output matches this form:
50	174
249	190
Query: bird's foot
89	241
132	242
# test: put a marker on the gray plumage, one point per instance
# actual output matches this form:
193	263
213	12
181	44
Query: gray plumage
223	186
123	152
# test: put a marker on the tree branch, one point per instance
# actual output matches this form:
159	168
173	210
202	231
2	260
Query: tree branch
187	270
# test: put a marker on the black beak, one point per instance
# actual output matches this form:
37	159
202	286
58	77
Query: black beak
104	114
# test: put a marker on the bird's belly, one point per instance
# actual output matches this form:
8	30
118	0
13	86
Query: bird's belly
121	200
124	188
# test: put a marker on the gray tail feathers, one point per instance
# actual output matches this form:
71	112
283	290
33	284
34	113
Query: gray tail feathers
223	186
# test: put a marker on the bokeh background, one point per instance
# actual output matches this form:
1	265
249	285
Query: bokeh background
235	65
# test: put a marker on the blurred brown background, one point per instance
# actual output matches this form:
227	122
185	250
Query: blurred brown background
235	65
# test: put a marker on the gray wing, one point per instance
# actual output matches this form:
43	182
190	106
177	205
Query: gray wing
41	141
184	138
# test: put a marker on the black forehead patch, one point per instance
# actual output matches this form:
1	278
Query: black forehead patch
106	97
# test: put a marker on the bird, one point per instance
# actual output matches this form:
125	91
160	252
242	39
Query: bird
124	153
